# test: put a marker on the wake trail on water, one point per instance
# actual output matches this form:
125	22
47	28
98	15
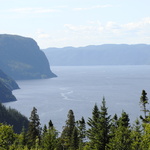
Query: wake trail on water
67	93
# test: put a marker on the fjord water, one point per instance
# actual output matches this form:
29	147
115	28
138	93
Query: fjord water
79	88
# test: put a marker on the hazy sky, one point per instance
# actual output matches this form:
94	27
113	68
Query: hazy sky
59	23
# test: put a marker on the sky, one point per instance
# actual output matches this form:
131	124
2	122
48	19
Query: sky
61	23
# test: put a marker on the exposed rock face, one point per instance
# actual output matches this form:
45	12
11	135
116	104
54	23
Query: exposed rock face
21	58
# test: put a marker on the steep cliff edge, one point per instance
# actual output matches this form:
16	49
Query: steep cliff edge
21	58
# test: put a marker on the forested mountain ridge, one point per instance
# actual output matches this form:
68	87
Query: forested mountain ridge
21	58
8	81
13	117
6	86
107	54
5	94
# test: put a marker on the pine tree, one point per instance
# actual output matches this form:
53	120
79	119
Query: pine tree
68	130
34	131
113	126
98	132
93	124
50	139
145	143
121	138
74	139
81	125
44	129
50	124
136	135
144	102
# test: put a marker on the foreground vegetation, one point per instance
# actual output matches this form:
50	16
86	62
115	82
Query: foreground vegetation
103	132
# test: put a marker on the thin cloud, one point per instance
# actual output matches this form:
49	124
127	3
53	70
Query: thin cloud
34	10
92	7
140	28
138	25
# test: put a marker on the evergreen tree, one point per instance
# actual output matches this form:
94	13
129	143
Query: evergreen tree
21	140
44	129
113	126
121	138
144	102
98	132
49	139
34	131
74	139
145	143
136	135
68	130
50	124
93	124
124	120
81	125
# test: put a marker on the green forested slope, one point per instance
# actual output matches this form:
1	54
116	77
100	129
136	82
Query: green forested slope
5	94
8	81
13	117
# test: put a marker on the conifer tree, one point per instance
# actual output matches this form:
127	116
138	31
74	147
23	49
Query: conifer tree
74	139
121	139
50	139
93	124
136	135
50	124
34	131
145	143
98	132
68	130
113	125
144	102
81	125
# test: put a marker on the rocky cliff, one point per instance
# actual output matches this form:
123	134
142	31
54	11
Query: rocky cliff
21	58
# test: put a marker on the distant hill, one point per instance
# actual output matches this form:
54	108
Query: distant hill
107	54
21	58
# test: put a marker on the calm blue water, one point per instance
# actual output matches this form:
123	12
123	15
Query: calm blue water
79	88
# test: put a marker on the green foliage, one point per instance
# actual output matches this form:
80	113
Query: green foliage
144	102
34	131
7	136
74	139
68	130
99	124
145	143
81	126
136	135
121	137
49	137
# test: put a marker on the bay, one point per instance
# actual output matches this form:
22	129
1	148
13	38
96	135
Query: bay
79	88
